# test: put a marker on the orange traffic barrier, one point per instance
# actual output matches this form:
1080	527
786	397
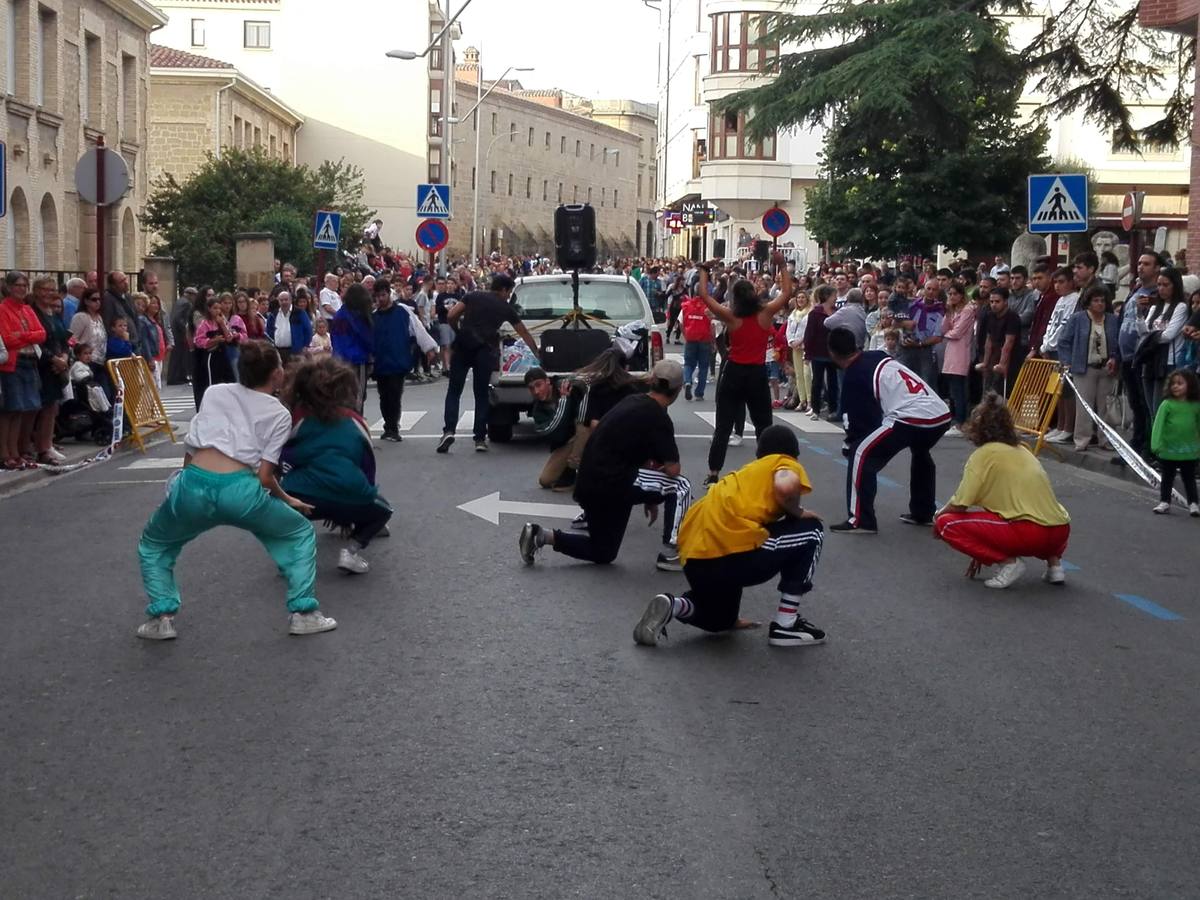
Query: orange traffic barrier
1035	398
143	407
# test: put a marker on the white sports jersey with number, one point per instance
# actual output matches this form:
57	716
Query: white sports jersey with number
904	397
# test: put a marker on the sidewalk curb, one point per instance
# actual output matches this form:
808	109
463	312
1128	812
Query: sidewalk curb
1095	461
12	484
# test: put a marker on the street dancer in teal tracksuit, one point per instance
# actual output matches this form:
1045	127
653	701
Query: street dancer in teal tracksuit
233	447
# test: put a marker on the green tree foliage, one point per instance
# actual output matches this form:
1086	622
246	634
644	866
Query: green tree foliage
196	221
920	101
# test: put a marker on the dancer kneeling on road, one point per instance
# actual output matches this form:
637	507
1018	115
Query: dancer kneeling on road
329	459
553	411
233	449
631	458
748	528
1004	507
889	408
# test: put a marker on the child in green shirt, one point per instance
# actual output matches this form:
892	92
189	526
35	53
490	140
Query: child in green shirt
1175	439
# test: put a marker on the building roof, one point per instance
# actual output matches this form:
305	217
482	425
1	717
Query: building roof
170	58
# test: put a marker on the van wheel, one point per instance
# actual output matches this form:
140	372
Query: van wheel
500	434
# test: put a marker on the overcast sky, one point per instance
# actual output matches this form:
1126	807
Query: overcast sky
607	49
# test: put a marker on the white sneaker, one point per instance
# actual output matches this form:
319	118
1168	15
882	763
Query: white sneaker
349	561
55	456
1006	575
1060	437
1054	575
954	431
1194	510
1162	509
310	623
160	629
736	440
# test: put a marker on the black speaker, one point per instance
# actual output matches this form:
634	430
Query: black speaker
762	251
575	236
718	248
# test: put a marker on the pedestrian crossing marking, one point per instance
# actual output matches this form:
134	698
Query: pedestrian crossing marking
408	421
1058	207
799	421
170	462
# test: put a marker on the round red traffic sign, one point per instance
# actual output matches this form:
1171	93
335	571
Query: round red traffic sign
432	235
776	221
1130	213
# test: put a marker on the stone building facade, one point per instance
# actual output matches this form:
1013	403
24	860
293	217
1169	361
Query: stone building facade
76	71
200	105
532	157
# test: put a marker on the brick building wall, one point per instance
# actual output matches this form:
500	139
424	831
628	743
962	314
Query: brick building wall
75	70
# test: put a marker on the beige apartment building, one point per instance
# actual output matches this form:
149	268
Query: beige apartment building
533	156
200	105
76	71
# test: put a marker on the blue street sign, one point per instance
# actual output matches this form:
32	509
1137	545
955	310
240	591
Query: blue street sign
776	221
326	228
3	179
432	235
1058	204
433	201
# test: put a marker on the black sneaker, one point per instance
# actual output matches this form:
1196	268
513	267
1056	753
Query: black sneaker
481	447
802	634
393	436
668	562
654	621
579	523
849	528
687	392
910	519
566	481
444	444
530	542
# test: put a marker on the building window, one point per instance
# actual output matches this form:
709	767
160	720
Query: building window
510	182
256	35
435	109
129	95
589	195
453	173
495	123
493	181
90	75
272	145
530	137
562	144
547	140
512	133
603	195
578	149
616	158
47	62
575	194
257	137
14	38
639	188
727	139
737	43
529	188
435	165
592	154
545	191
197	32
472	178
614	198
287	152
560	192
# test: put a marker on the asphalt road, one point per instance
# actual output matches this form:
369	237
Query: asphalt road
474	728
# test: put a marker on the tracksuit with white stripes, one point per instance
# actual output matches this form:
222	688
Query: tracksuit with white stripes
890	408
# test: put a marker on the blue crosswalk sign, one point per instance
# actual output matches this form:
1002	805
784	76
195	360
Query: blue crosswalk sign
1058	204
326	229
433	201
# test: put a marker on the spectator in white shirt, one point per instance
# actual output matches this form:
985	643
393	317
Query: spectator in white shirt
330	301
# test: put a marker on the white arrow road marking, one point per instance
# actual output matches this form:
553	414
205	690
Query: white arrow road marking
490	507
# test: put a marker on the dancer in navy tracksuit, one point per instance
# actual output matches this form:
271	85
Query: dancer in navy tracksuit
889	408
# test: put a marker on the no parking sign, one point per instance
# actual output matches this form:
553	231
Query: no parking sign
776	221
432	235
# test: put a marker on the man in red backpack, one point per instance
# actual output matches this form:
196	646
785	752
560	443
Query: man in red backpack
697	344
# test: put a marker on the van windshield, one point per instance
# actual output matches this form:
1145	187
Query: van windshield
609	300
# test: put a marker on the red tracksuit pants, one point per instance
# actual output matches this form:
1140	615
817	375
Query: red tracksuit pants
986	537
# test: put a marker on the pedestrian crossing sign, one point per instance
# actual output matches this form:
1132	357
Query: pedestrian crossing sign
433	201
1058	204
326	229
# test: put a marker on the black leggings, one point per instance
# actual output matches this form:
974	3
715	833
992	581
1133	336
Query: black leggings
824	384
1187	469
210	367
365	519
742	385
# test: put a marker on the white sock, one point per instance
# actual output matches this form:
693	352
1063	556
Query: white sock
682	608
788	612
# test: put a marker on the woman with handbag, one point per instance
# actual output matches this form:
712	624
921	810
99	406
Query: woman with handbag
1162	339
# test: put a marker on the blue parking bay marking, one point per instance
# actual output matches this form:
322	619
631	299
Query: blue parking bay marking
1149	606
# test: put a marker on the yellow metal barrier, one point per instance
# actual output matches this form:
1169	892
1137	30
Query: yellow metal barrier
1035	398
143	407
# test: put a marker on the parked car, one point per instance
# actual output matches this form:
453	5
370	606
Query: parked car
545	303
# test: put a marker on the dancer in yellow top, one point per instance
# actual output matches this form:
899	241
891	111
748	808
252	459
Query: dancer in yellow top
749	527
